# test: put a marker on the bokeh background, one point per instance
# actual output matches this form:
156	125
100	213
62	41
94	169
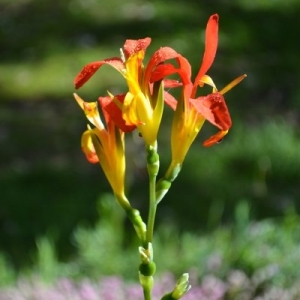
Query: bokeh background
47	188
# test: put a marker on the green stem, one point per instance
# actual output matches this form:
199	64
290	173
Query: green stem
164	184
153	167
134	216
147	294
152	208
146	279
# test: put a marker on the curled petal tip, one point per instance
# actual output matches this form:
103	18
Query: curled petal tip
88	147
79	100
215	139
215	17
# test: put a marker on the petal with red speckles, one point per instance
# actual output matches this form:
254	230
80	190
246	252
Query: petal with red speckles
133	46
90	69
214	109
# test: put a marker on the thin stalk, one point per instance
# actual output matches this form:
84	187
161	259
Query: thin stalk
152	208
147	294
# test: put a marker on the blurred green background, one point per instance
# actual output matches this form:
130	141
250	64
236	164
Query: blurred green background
46	185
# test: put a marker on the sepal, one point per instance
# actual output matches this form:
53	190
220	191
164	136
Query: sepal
146	255
164	183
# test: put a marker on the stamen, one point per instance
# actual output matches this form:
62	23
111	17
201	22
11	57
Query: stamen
122	55
232	84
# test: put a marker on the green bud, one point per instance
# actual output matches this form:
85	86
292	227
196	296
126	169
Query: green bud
162	188
181	288
173	171
152	161
163	184
137	221
168	297
147	269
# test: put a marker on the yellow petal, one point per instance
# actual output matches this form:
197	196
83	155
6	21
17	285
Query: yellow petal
208	80
88	147
133	69
91	111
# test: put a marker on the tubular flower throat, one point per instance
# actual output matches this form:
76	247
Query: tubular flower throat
104	144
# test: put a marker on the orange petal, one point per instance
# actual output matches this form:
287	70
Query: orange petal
164	70
215	138
211	45
214	109
157	58
113	112
133	46
90	69
170	100
171	83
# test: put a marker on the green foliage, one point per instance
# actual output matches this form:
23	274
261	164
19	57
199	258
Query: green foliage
265	251
251	247
47	265
262	253
106	249
7	273
259	163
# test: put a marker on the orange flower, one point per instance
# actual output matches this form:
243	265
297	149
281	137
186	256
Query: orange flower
142	106
191	111
104	144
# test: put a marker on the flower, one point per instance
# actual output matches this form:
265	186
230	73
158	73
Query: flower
192	111
104	145
142	106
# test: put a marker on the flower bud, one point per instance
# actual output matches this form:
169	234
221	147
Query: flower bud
147	269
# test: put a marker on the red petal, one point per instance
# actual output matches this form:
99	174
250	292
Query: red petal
215	139
157	58
214	109
133	46
161	71
170	100
91	157
89	70
164	70
211	45
113	112
170	83
185	65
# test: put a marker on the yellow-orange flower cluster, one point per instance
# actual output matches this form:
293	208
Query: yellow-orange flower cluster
141	106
